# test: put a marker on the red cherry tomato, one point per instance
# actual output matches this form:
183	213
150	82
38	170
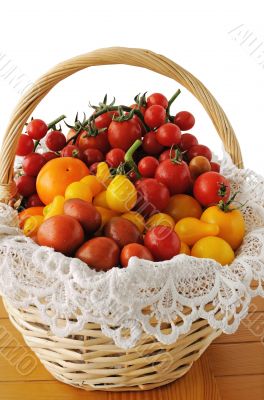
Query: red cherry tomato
134	250
168	134
55	140
147	166
26	185
185	120
37	129
25	145
34	201
93	168
104	120
91	156
115	157
155	116
33	163
71	151
215	166
100	141
157	99
162	242
49	155
187	140
199	150
175	176
167	155
151	145
153	196
211	187
142	109
123	134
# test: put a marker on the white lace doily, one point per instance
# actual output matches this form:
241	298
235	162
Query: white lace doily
133	297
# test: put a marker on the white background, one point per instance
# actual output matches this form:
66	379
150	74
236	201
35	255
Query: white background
202	36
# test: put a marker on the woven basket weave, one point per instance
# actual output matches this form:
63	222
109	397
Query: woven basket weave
88	359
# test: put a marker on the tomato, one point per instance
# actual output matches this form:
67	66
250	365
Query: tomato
160	219
25	145
91	156
142	109
34	201
88	216
167	155
32	225
199	165
147	166
185	249
25	214
106	215
57	174
122	231
61	232
162	242
187	140
215	166
56	207
55	140
211	187
153	196
100	141
182	206
100	253
168	134
134	250
94	185
157	99
123	134
103	174
190	230
71	150
215	248
49	155
151	145
115	157
93	168
121	194
100	200
199	150
79	190
155	116
175	175
185	120
230	222
26	185
104	120
136	218
32	163
37	129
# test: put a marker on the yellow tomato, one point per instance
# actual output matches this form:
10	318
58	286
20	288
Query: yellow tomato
160	219
185	249
54	208
106	215
182	206
231	224
32	224
103	174
79	190
214	247
136	218
121	194
190	230
100	200
93	183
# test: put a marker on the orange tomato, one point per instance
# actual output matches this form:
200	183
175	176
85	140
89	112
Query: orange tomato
185	249
57	174
29	212
182	206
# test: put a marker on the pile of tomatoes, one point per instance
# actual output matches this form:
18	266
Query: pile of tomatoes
127	181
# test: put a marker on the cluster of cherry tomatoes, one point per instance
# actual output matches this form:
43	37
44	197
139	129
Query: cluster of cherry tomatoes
127	181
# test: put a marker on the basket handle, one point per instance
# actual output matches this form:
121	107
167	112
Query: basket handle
113	55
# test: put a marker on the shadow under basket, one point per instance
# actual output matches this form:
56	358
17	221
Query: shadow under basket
89	360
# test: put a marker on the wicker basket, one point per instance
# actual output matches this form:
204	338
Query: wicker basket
88	359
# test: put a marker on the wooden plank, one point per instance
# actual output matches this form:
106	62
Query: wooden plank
198	384
3	313
9	335
236	359
241	387
251	329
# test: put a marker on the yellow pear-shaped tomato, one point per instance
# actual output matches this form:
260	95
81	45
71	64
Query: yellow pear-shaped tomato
121	194
103	174
185	249
190	230
106	215
32	224
93	183
182	206
54	208
100	200
79	190
231	224
160	219
136	218
214	247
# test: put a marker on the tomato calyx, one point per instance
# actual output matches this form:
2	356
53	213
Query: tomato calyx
171	100
103	106
177	158
222	190
122	115
228	206
141	100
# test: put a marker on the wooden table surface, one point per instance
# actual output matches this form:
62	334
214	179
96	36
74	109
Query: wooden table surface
231	369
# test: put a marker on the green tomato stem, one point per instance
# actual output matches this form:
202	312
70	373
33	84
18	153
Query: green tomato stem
174	97
129	157
56	121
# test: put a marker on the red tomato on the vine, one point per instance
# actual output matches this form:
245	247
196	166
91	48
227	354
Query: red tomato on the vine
174	175
122	134
199	150
211	187
157	99
151	145
153	196
185	120
147	166
168	134
37	129
100	141
25	145
155	116
187	140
